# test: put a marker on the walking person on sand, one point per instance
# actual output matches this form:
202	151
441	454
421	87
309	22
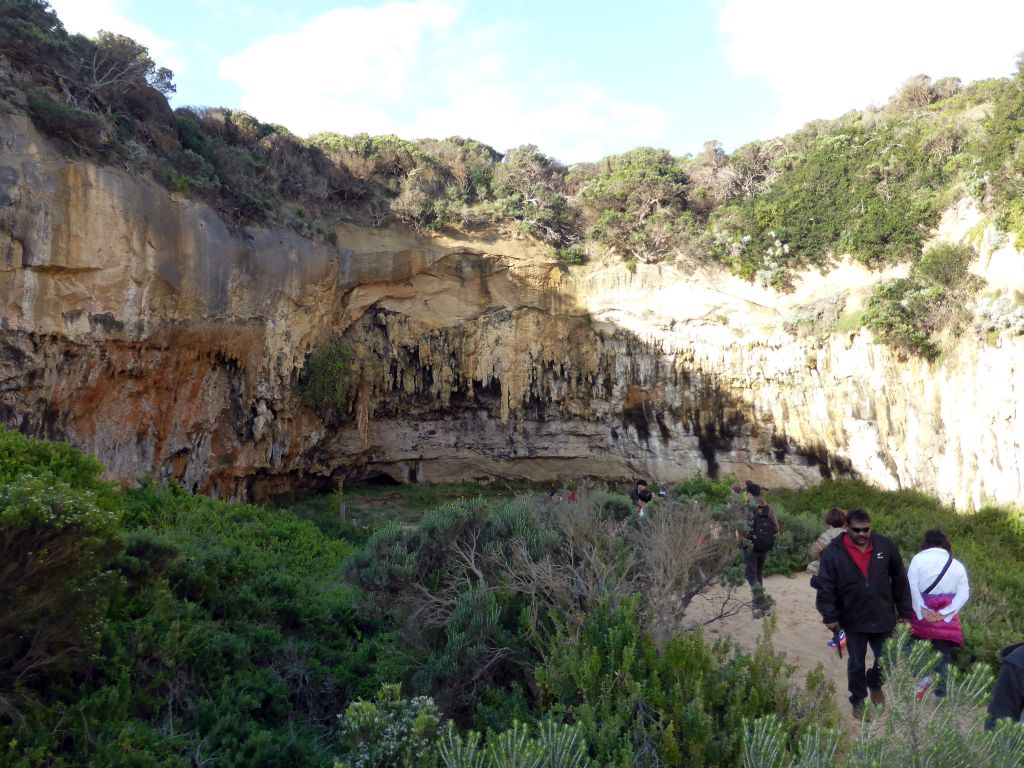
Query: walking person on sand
835	519
758	542
938	590
863	589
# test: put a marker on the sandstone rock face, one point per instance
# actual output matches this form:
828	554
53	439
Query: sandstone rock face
139	327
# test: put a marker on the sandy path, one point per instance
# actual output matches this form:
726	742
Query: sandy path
799	633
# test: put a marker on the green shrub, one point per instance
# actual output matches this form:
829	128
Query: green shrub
554	746
571	254
683	704
907	313
85	131
897	313
637	202
530	187
55	545
327	378
911	733
390	730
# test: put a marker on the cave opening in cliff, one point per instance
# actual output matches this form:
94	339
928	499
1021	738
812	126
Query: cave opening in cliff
378	479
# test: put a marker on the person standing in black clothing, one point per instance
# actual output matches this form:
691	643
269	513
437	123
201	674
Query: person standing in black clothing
1008	695
863	589
762	525
640	487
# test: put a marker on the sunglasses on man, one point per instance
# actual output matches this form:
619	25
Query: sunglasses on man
860	530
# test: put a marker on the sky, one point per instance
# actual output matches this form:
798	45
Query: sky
580	79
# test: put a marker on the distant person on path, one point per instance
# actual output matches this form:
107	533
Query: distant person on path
835	519
643	499
863	589
1008	694
938	590
763	525
634	495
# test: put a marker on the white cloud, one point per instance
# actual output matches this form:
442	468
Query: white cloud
409	68
823	58
87	17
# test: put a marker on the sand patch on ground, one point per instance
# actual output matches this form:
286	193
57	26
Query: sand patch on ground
799	635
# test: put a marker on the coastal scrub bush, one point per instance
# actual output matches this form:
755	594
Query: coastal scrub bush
389	730
897	313
863	186
680	704
190	627
84	130
443	583
530	187
907	313
326	381
636	203
913	733
553	746
56	543
478	587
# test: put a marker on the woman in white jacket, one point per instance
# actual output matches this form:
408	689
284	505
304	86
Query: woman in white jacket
938	590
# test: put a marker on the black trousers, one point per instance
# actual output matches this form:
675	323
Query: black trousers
753	566
858	677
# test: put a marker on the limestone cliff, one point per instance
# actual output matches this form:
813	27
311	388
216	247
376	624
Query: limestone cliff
138	326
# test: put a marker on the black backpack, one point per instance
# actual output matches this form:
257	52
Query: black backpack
762	532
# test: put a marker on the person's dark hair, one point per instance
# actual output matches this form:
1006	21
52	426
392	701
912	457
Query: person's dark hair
641	482
936	538
753	488
645	496
835	517
857	516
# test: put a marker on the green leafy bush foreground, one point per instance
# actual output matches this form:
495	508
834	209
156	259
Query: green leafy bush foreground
912	733
171	628
207	632
155	628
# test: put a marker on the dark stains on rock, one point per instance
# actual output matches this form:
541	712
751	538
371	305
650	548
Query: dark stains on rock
105	321
635	416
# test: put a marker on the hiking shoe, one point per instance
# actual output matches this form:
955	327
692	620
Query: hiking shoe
877	697
922	687
858	708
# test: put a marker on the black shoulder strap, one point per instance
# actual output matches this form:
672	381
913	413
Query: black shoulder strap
939	577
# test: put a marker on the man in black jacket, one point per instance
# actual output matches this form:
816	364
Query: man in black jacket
863	588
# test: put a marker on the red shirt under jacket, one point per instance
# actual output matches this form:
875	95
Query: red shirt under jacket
862	559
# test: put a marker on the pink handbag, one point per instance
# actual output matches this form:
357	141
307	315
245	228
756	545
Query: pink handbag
938	630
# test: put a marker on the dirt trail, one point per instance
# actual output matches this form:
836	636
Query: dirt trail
799	633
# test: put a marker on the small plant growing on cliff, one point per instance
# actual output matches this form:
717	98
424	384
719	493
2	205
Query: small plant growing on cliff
326	381
908	312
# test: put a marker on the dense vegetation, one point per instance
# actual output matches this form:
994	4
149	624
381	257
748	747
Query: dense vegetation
870	184
151	627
